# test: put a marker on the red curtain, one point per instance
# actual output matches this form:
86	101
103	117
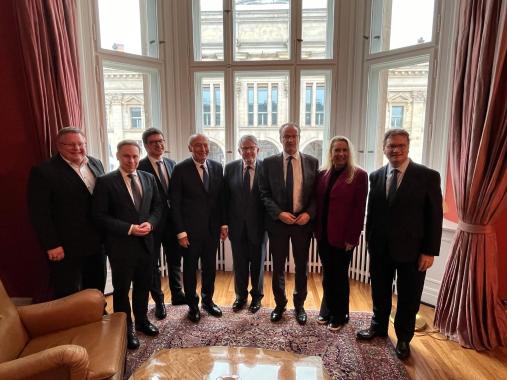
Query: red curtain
469	310
48	37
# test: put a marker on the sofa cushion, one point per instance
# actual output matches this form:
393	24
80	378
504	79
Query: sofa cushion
105	342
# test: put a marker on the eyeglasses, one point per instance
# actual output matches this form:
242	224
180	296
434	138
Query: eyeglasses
247	148
153	142
74	145
396	146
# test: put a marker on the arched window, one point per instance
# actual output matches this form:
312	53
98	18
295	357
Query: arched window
266	149
216	153
314	149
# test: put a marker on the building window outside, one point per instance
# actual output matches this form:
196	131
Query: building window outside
262	105
136	121
320	94
217	104
250	99
397	116
274	104
308	105
206	106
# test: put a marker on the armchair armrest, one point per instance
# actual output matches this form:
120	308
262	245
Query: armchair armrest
78	309
62	362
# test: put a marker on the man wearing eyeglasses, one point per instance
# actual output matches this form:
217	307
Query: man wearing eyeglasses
59	202
403	231
162	168
286	187
245	217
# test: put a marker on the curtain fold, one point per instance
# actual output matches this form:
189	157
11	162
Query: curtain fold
48	39
469	310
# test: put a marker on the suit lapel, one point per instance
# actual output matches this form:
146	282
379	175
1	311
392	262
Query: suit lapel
405	184
123	190
145	190
71	175
97	172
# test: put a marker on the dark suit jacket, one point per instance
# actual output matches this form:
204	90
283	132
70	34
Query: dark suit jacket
145	165
274	193
347	203
412	225
194	210
241	209
60	207
114	210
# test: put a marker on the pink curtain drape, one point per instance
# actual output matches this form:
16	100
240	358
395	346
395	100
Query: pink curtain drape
48	41
469	310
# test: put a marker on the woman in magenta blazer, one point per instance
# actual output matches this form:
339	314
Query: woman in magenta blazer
340	192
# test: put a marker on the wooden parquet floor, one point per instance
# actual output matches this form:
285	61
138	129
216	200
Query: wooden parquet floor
433	356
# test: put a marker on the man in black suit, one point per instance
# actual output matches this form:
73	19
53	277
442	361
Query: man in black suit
127	206
286	186
59	201
403	231
162	169
245	216
198	214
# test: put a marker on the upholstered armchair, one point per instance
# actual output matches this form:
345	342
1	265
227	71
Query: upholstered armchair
68	338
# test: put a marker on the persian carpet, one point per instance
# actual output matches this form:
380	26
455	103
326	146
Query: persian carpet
342	356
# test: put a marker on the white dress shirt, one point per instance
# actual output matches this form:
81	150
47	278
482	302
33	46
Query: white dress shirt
84	172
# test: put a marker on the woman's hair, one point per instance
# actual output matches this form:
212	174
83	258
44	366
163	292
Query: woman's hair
350	166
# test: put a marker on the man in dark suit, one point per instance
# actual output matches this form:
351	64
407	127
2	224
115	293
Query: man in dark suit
286	186
403	231
162	169
127	206
197	203
59	201
245	217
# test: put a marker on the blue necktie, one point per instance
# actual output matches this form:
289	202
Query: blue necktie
289	184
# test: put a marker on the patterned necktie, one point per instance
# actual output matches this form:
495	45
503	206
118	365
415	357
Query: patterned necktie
289	184
205	178
161	176
136	193
246	181
393	186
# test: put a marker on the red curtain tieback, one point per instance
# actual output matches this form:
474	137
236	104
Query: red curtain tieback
476	228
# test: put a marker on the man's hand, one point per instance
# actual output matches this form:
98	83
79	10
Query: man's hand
56	254
141	229
287	217
302	219
425	262
348	247
224	232
184	242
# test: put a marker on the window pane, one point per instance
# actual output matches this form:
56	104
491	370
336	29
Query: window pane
267	148
209	108
208	21
261	30
131	105
271	98
398	100
129	26
317	29
400	23
314	111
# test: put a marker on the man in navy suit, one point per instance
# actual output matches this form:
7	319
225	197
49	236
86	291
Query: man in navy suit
245	217
162	169
197	203
127	206
286	186
403	232
59	201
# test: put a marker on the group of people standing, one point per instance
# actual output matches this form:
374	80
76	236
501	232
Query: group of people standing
80	214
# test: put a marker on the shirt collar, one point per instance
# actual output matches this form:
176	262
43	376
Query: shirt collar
125	174
295	155
84	162
198	164
154	161
401	169
251	166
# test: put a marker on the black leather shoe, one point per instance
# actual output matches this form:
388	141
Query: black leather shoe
132	340
212	309
178	300
323	319
370	333
160	311
277	313
254	306
194	314
147	328
238	305
402	350
301	316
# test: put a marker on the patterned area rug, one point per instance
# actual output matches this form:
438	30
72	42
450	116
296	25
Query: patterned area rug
342	355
